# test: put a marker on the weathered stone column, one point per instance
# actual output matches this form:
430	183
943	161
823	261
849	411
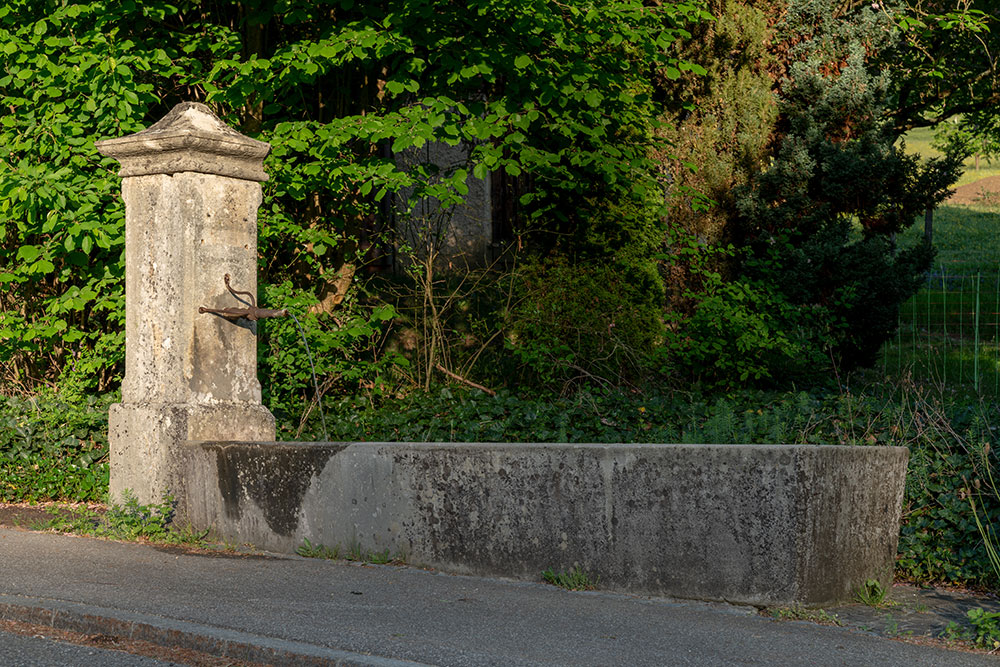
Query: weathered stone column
191	187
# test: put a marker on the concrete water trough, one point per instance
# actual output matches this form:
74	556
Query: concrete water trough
767	524
756	524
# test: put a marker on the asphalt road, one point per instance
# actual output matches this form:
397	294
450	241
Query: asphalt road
331	612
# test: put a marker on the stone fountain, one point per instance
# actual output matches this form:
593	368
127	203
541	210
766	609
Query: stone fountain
757	524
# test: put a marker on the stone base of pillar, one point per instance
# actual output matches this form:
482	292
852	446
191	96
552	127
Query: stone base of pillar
145	441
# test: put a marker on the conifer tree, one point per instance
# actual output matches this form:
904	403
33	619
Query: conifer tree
819	223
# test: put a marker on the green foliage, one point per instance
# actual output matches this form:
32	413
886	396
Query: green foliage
721	122
354	553
573	580
584	322
986	627
941	539
132	521
559	97
798	217
794	274
66	78
945	59
451	415
346	350
592	310
984	631
53	449
736	332
128	521
977	135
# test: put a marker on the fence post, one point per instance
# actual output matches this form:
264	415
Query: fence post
975	352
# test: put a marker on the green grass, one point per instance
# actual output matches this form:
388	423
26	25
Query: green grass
128	521
967	238
920	142
573	580
948	366
873	594
938	340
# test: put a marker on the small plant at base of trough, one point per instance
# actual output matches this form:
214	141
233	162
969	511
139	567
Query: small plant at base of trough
355	553
128	521
984	633
874	594
798	613
987	627
573	580
309	550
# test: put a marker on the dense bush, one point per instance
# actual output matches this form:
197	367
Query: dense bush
584	323
948	494
591	311
342	353
799	275
53	448
819	221
559	96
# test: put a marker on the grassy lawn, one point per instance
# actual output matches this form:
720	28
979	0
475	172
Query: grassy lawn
919	142
967	238
938	339
949	334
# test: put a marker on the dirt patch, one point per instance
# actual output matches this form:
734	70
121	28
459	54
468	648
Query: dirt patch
243	552
917	612
975	193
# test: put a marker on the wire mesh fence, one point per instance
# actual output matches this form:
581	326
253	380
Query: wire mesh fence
949	333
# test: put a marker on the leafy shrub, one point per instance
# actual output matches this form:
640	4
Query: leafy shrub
345	350
53	449
459	415
591	310
940	539
584	321
737	334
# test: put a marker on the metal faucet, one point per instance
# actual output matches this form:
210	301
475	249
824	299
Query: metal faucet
252	312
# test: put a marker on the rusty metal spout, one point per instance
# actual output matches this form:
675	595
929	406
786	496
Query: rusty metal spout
251	312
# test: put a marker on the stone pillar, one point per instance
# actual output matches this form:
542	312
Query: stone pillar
191	187
462	235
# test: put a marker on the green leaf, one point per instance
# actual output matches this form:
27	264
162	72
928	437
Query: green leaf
29	253
593	98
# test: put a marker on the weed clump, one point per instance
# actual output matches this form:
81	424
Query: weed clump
572	580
